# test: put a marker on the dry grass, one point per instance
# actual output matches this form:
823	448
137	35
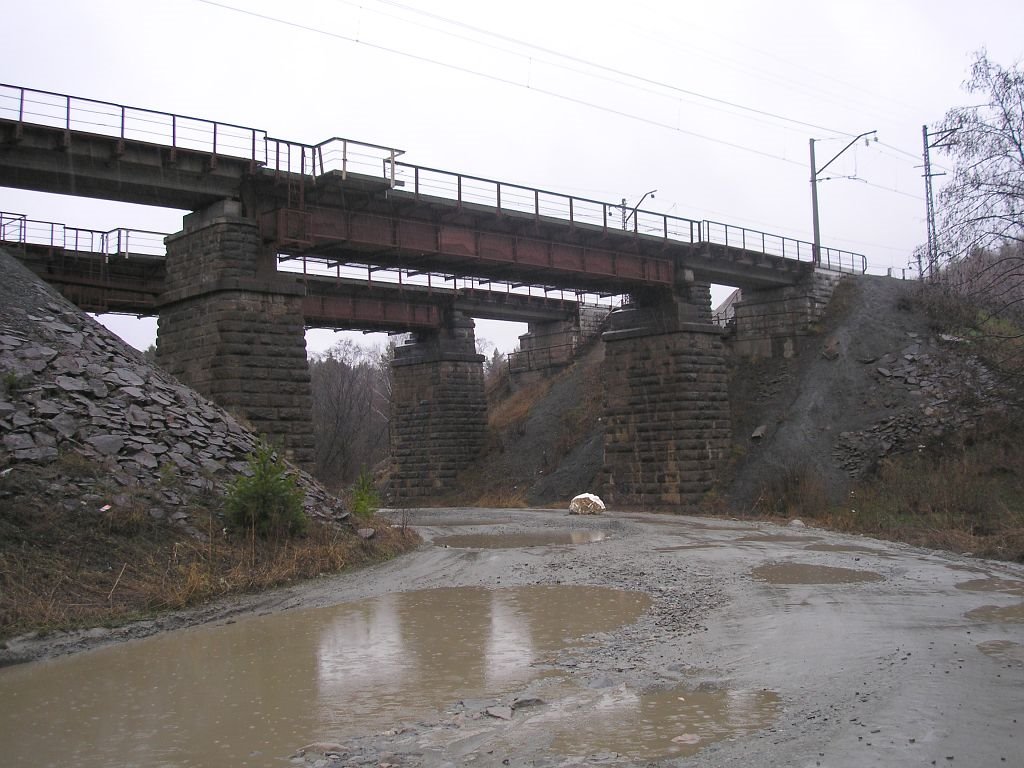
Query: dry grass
966	496
512	412
64	567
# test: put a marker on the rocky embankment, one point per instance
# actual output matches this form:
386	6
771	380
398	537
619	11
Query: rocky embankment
877	379
933	389
72	388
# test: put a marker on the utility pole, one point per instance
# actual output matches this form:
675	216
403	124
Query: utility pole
626	216
815	171
933	241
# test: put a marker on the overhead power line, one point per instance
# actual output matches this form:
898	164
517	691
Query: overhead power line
498	79
610	70
555	94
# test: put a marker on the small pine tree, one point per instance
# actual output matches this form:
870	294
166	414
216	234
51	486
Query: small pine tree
365	499
268	502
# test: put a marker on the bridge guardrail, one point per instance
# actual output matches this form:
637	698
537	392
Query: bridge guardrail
73	113
464	189
16	228
334	155
733	236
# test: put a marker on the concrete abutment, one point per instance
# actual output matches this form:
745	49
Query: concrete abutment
233	329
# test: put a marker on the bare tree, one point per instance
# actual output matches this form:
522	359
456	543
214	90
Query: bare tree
982	206
351	389
981	212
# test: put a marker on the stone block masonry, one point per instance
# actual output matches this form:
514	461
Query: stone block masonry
438	412
769	321
667	417
233	330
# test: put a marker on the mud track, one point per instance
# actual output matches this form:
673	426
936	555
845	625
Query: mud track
874	653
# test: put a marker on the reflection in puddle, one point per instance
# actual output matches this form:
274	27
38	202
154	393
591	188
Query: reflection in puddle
264	686
518	540
1003	650
1009	586
801	573
673	723
778	537
1009	613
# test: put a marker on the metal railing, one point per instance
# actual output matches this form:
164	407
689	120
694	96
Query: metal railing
717	233
19	230
344	156
179	132
335	155
524	360
504	197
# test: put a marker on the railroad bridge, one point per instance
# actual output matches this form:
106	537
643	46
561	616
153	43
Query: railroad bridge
231	320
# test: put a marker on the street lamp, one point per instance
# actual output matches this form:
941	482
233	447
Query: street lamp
625	216
816	250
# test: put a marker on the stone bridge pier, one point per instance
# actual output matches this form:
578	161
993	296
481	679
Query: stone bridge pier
667	430
232	328
438	409
551	345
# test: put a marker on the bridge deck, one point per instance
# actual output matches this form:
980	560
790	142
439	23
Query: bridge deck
349	201
123	271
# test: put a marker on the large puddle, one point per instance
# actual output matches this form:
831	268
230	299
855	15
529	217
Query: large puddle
773	538
850	548
994	584
252	692
520	540
994	613
659	724
1003	650
801	573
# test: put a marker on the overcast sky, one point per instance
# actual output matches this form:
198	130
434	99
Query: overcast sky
712	104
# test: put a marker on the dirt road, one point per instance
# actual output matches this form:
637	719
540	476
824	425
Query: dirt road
755	645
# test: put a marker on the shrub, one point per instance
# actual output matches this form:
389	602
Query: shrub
365	499
268	502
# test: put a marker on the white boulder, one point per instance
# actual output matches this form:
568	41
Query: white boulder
586	504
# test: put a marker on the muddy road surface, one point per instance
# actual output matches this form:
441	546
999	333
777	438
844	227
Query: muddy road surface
535	638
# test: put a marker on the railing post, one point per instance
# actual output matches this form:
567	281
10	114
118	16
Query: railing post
392	169
67	122
344	159
536	205
120	143
459	190
19	131
213	157
497	194
416	182
571	214
174	138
